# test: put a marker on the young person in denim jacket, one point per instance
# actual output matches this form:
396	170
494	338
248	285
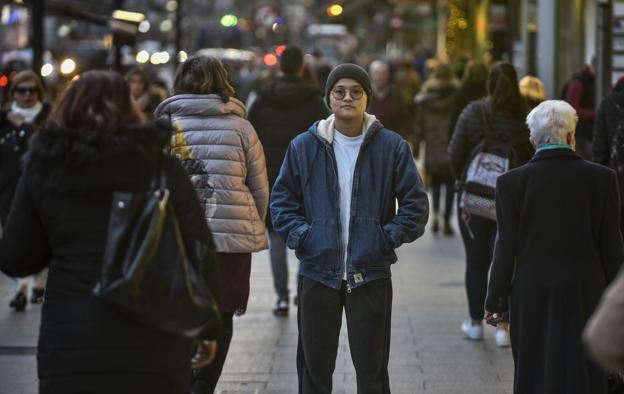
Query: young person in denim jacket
334	203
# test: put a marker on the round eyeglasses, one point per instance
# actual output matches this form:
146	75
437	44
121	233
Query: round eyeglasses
341	93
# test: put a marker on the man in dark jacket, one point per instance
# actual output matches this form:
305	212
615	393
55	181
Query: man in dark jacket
558	246
334	203
387	103
285	107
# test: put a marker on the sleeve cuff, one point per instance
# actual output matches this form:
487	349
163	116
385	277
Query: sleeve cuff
296	237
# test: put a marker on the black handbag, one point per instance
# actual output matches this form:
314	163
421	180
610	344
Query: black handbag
148	270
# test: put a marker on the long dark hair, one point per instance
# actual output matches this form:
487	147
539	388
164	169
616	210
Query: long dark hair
475	74
203	75
98	102
503	88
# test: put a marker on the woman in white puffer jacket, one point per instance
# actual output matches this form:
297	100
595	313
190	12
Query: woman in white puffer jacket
221	152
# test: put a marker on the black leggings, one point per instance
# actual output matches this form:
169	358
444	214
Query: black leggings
479	250
205	379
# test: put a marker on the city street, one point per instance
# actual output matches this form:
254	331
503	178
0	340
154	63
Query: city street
428	355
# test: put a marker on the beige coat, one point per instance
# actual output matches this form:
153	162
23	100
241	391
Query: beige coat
604	333
221	152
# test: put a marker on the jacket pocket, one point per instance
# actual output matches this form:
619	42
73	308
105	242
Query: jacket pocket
370	246
322	242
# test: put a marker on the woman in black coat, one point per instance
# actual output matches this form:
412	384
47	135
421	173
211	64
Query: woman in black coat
473	87
94	145
504	110
610	114
24	114
558	246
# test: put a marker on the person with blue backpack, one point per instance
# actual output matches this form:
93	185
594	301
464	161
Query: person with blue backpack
490	137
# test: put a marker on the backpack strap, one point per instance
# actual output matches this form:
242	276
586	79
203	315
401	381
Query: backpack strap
485	119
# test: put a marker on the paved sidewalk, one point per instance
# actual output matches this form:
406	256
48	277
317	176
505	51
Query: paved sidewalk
428	353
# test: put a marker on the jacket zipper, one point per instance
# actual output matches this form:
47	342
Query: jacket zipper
354	191
335	168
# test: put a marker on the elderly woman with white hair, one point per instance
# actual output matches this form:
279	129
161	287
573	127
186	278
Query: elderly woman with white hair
558	246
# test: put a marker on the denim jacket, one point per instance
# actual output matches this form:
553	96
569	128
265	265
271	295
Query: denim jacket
305	206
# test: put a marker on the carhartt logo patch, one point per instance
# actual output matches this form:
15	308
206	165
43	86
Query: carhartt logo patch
358	278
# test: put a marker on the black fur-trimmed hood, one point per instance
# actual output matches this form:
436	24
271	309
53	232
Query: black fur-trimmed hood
71	159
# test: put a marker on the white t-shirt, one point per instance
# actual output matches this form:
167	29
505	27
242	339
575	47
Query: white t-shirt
346	150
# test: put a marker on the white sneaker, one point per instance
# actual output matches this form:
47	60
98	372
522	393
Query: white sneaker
472	331
502	338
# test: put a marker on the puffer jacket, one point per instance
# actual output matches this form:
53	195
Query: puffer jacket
221	152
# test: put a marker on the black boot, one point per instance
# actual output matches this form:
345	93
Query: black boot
19	302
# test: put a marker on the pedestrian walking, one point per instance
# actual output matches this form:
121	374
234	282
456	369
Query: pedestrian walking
532	91
142	93
558	247
95	144
25	113
609	116
284	108
502	113
473	87
334	204
434	104
386	101
608	137
223	157
579	91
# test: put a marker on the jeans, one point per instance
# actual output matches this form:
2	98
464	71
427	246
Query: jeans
205	379
319	317
449	193
479	251
279	265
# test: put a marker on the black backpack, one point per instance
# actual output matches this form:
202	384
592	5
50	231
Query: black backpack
492	157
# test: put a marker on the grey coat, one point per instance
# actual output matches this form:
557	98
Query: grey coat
221	152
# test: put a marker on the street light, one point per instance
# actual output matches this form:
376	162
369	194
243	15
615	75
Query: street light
229	20
46	70
128	16
334	10
142	57
144	26
68	66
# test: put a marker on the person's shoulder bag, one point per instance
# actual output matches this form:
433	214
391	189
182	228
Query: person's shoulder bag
149	271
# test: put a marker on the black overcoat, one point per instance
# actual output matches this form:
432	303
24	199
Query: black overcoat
558	246
59	220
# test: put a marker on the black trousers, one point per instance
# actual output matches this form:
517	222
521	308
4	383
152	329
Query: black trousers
205	379
449	193
368	311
